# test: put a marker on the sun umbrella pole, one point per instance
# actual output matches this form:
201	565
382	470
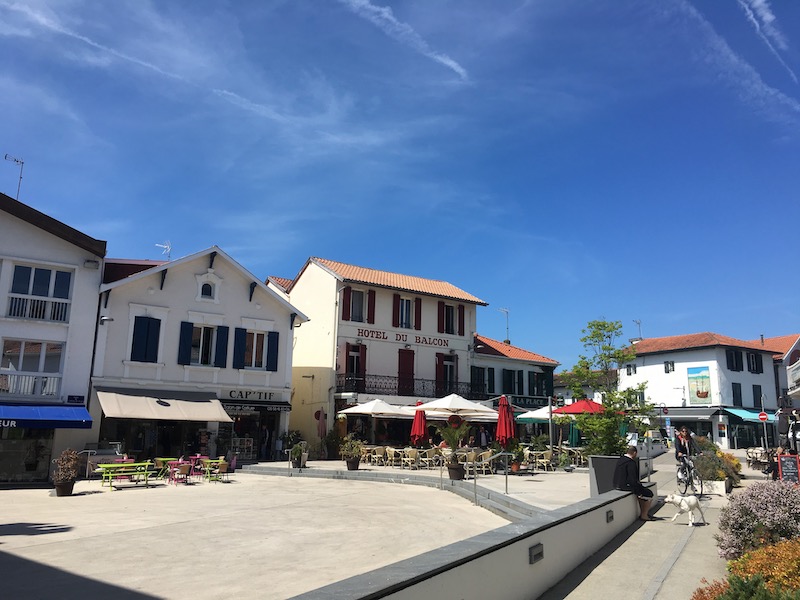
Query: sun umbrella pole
550	406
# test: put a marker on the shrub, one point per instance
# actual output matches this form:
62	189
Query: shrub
66	468
710	591
714	464
778	564
764	513
754	588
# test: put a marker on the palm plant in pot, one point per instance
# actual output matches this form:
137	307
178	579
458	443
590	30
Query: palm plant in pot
65	472
453	432
350	450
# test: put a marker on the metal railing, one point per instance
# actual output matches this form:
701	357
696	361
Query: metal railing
401	386
38	308
31	384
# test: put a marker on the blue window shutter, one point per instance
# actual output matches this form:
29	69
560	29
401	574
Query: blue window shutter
221	350
239	347
139	341
153	333
185	343
272	350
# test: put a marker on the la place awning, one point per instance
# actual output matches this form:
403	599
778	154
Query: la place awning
39	416
161	405
700	413
748	415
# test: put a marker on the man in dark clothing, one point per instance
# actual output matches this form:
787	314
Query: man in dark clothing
626	478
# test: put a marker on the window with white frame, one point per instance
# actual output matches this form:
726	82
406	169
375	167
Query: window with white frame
669	366
256	346
449	318
203	341
203	338
208	287
630	369
31	367
406	312
40	293
755	363
357	306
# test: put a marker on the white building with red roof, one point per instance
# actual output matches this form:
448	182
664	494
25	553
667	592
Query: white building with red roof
525	377
715	384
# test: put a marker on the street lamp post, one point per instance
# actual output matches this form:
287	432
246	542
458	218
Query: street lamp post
764	422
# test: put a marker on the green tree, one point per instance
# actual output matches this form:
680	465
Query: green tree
623	410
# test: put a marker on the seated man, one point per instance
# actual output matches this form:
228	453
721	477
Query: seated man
626	478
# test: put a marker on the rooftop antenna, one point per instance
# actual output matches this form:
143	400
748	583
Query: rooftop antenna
167	249
639	324
21	163
508	339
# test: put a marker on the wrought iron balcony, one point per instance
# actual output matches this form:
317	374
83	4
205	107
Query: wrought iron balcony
401	386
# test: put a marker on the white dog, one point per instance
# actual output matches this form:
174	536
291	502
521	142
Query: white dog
685	504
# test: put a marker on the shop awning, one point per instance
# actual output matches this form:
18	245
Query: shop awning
45	417
749	415
161	405
700	413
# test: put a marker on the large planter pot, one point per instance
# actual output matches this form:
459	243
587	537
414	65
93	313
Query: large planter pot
296	463
64	488
456	471
718	488
352	463
514	467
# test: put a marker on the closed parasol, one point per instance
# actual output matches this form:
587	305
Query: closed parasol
418	427
505	422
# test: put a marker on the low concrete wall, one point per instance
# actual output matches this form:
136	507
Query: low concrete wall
515	562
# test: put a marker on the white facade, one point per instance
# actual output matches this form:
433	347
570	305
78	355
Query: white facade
356	351
219	331
49	279
689	381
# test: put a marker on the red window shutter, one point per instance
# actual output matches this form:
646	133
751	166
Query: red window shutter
346	303
371	306
441	317
362	351
417	313
396	310
460	319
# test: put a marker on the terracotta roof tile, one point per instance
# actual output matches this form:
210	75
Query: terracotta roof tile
694	340
282	282
781	344
410	283
495	348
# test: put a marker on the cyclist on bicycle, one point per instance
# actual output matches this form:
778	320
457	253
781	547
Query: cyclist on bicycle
684	448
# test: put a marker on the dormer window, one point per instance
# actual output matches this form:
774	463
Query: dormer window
208	286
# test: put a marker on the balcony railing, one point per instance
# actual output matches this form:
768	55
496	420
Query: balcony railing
36	307
404	386
34	385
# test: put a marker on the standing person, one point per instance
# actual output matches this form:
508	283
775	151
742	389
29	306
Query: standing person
626	478
684	448
484	438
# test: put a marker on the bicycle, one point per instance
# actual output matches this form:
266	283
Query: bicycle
691	477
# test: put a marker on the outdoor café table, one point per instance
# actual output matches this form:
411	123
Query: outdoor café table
164	462
131	471
197	463
209	466
173	467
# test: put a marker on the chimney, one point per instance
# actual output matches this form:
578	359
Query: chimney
762	339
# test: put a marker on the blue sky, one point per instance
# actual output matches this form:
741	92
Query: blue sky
567	160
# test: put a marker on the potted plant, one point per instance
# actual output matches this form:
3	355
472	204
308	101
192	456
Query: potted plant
714	465
66	472
299	454
565	462
455	430
350	450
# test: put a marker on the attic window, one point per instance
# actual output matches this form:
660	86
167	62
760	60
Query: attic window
208	287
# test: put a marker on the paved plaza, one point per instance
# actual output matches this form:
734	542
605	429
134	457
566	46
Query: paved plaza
273	536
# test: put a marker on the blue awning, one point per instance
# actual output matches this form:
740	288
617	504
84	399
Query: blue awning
746	414
44	417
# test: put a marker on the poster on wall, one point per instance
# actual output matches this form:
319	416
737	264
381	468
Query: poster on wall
699	385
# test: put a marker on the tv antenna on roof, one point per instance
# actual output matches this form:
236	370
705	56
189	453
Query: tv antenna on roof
639	324
167	249
21	164
508	339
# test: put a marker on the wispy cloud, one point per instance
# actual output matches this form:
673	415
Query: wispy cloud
383	18
768	101
762	19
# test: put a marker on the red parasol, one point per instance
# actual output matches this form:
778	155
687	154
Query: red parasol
505	422
419	428
322	424
578	407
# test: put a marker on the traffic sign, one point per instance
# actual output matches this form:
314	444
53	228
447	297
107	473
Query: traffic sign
762	416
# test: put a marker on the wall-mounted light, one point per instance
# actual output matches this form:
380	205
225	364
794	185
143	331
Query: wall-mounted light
452	351
91	264
407	346
358	340
104	319
535	553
